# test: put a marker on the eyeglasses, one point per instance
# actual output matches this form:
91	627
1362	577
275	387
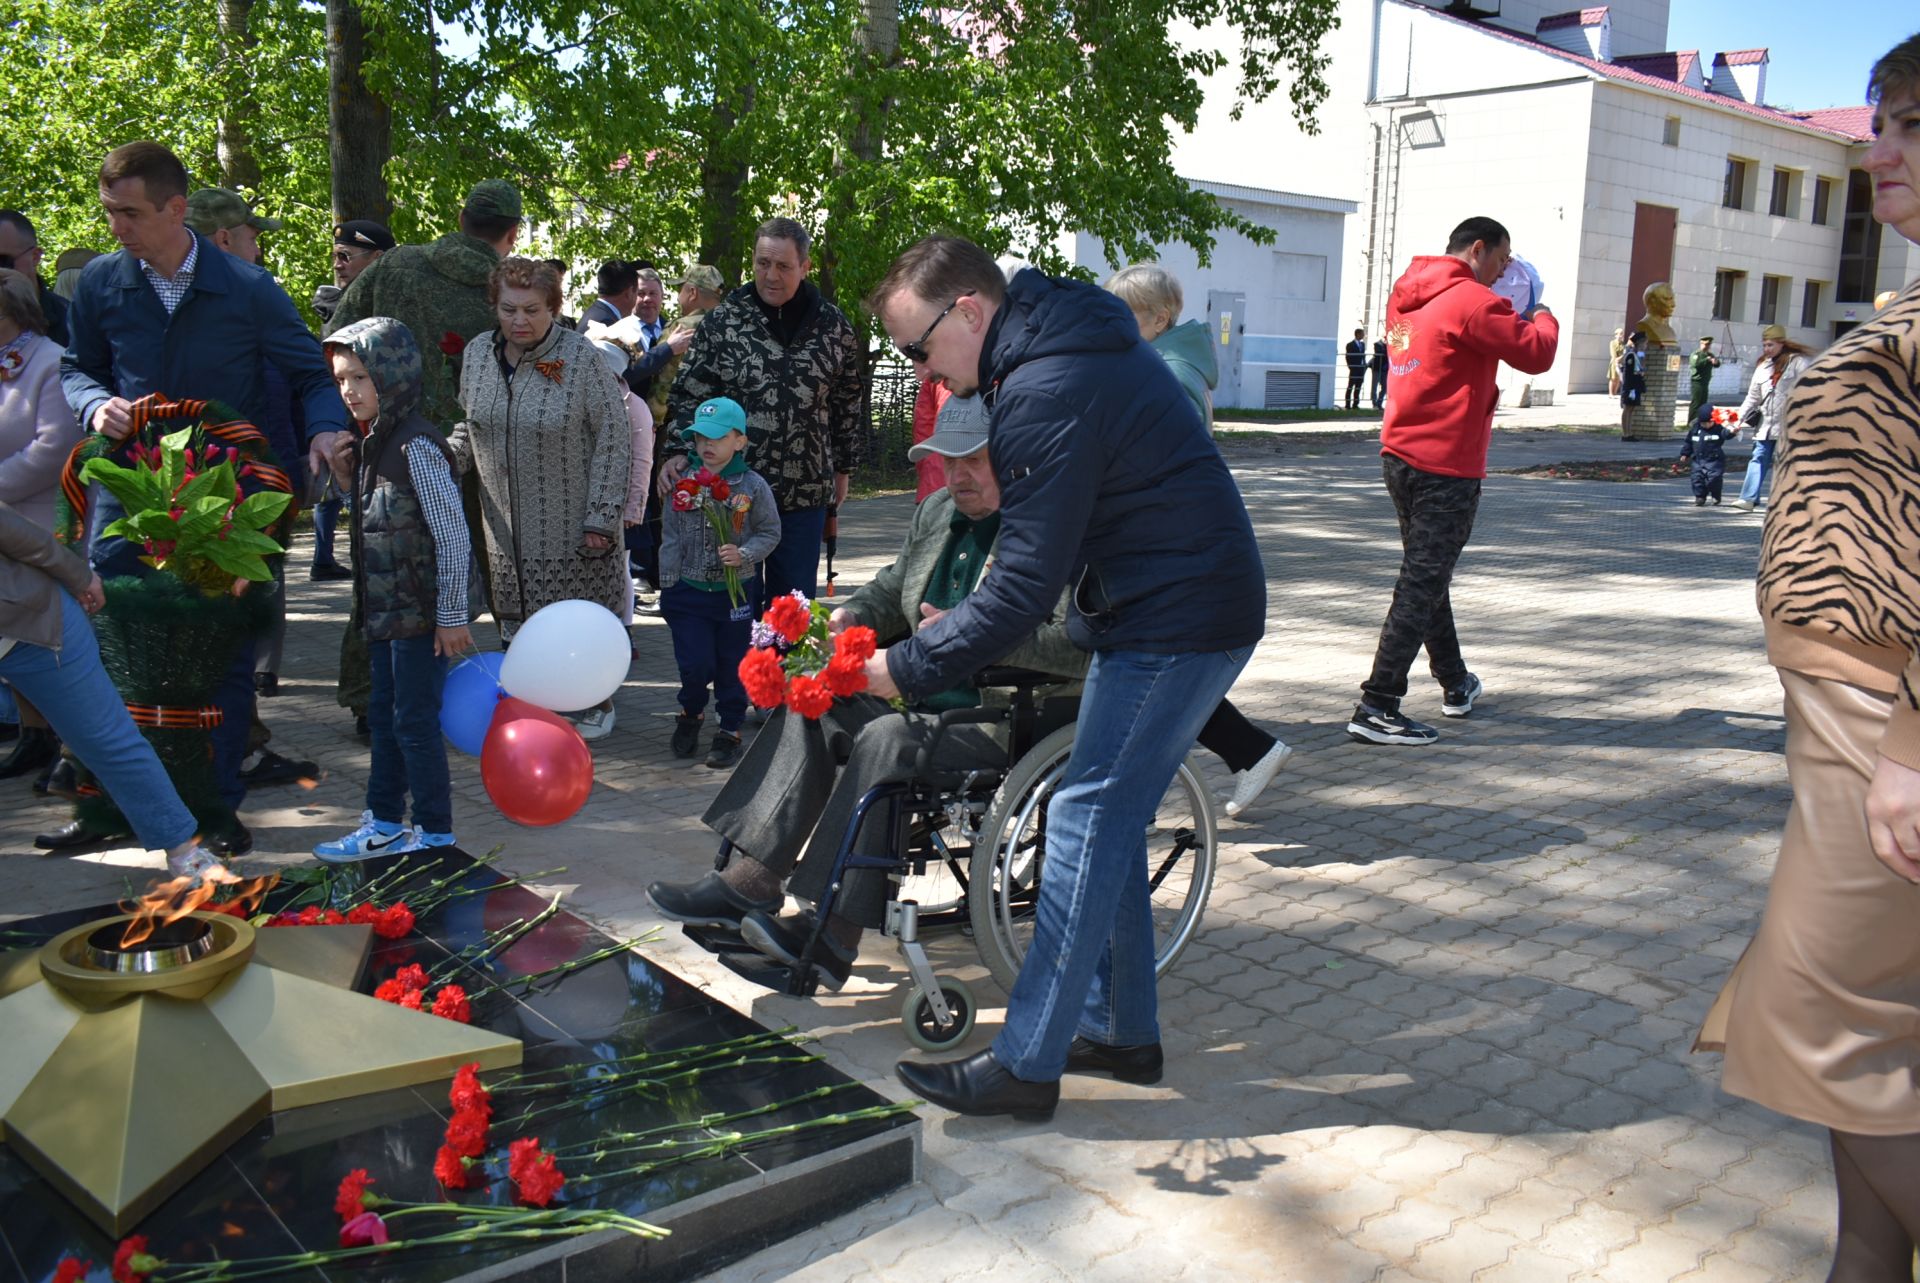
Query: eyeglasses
348	255
917	350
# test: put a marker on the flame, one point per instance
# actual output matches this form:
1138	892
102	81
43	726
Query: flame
168	902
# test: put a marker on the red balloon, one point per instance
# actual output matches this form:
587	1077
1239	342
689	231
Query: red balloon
537	769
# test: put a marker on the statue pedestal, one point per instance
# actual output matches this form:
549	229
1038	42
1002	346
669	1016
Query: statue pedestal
1653	419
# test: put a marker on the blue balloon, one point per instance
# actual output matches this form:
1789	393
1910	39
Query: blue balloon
468	698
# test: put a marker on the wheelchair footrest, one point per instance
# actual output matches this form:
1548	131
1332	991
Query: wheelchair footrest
759	969
720	940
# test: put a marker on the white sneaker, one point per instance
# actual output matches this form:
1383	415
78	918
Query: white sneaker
373	837
595	723
1254	780
194	862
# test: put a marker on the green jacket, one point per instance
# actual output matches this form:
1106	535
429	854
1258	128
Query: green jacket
438	291
890	605
1703	365
1188	351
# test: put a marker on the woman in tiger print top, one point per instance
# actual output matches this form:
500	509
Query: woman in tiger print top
1821	1017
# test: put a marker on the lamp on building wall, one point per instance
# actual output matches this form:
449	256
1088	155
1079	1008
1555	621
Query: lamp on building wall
1422	130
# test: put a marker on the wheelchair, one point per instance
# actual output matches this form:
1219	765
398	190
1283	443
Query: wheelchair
967	853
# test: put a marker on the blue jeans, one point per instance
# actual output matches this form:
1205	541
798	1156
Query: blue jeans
1759	469
710	638
795	562
403	721
1089	969
76	696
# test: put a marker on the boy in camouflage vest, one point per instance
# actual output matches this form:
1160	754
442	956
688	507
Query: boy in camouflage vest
411	584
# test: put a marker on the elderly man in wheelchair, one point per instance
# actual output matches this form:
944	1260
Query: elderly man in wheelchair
972	764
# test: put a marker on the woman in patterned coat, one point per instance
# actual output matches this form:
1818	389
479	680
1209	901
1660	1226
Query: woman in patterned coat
545	427
1821	1018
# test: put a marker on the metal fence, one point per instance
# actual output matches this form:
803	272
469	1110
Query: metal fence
890	395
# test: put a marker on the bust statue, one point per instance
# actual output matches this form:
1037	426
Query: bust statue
1657	323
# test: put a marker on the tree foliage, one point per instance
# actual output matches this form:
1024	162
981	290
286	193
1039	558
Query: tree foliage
668	128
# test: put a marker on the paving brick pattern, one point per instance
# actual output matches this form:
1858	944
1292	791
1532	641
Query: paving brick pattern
1436	1026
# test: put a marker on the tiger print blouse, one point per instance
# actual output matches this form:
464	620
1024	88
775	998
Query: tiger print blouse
1839	585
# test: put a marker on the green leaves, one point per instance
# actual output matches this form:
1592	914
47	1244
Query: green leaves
187	519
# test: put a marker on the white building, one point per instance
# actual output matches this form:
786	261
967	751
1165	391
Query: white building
1273	309
1613	161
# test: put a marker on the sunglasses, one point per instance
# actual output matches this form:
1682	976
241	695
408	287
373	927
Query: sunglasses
348	255
917	350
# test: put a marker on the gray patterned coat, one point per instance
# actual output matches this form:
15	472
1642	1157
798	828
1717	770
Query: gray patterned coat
553	452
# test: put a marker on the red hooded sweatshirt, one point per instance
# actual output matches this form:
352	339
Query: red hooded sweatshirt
1446	336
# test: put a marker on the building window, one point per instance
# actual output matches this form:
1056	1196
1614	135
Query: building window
1735	194
1822	200
1784	200
1772	288
1810	306
1727	286
1859	241
1671	134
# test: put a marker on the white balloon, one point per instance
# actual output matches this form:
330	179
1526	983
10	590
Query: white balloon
569	656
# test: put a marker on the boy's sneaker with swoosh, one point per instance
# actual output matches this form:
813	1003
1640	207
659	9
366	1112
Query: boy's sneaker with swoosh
1459	701
373	837
1378	726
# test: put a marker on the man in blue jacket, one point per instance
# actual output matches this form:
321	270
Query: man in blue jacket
170	313
1108	480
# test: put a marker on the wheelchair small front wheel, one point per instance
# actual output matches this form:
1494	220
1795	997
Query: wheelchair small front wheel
927	1033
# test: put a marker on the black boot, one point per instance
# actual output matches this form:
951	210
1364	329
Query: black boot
36	747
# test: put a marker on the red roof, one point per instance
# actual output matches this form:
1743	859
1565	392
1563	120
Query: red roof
1674	65
1577	18
1629	76
1739	57
1855	122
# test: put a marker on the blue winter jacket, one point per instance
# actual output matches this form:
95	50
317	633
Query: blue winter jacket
234	319
1108	480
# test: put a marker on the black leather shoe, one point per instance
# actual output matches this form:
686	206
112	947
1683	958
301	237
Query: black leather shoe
361	731
709	902
275	769
328	571
236	841
77	835
980	1087
32	750
785	939
1141	1064
62	779
266	685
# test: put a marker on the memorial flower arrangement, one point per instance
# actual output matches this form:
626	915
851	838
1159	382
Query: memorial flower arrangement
1725	418
724	508
796	660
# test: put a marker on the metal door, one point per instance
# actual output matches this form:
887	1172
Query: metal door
1227	319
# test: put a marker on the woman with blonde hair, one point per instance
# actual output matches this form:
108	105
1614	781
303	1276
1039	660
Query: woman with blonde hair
1820	1020
1782	362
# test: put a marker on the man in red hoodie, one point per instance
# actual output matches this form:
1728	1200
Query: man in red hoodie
1447	333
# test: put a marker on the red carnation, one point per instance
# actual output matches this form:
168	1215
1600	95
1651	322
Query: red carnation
412	999
392	922
536	1177
451	1004
390	991
364	1230
362	915
131	1263
450	1169
468	1095
452	344
412	976
352	1198
789	617
333	918
844	675
764	678
310	916
808	697
71	1270
857	643
467	1134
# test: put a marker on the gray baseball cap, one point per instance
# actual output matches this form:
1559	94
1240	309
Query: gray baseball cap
960	430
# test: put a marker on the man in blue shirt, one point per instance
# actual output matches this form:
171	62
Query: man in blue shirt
170	313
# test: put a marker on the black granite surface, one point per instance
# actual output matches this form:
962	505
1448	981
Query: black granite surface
272	1192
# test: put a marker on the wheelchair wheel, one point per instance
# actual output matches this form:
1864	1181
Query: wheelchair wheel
928	1034
1005	873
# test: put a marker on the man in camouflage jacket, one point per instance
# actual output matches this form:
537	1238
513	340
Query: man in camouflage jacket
439	292
792	361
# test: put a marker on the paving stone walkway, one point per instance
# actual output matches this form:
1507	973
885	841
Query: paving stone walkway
1436	1025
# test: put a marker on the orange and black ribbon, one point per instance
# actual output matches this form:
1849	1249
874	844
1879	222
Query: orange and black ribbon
551	368
160	715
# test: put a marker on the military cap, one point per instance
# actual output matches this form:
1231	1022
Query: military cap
362	233
495	198
702	276
215	209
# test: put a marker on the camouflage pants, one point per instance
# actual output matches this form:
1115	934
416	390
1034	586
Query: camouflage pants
1436	517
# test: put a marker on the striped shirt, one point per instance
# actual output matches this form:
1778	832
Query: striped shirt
172	291
440	501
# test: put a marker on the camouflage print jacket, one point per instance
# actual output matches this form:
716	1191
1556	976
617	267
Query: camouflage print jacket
439	292
804	401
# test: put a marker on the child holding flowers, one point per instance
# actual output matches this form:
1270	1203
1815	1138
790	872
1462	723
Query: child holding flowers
719	525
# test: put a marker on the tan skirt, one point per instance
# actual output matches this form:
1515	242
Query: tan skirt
1820	1019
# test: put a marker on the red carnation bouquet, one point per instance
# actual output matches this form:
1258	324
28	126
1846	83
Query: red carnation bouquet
1726	418
796	661
725	510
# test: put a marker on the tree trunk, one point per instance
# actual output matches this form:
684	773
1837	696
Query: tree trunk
239	169
723	174
359	123
875	46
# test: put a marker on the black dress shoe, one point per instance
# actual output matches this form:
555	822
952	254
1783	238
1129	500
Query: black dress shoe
1141	1064
266	685
77	835
275	769
235	842
980	1087
327	571
361	731
61	779
34	748
709	902
784	939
